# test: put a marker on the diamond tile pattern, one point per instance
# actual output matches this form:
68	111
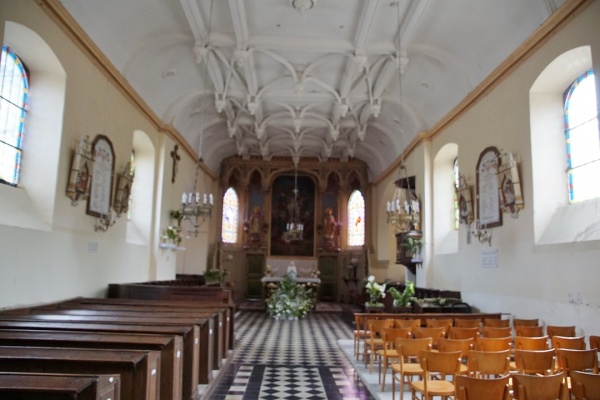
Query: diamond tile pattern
290	359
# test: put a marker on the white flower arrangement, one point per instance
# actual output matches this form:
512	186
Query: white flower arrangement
376	292
290	300
173	235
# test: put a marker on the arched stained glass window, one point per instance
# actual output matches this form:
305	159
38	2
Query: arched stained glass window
356	219
14	85
583	139
229	224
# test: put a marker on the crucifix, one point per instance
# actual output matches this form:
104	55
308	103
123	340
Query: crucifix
176	159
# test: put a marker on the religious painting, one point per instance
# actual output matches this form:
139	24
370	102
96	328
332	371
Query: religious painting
488	200
511	198
80	176
465	203
293	216
124	183
99	201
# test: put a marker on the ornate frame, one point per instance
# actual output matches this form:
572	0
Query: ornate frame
99	200
488	201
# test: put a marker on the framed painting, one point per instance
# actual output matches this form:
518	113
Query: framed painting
78	186
123	192
99	201
465	202
511	197
488	201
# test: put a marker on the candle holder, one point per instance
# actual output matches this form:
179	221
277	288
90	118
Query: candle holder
104	222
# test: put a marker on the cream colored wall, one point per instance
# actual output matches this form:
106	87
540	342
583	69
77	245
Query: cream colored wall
50	259
556	283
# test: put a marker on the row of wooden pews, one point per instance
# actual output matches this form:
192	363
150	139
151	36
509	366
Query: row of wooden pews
153	349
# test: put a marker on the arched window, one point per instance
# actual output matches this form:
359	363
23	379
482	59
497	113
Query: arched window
229	223
583	139
356	219
14	85
456	180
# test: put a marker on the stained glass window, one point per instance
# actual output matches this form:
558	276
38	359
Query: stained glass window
229	224
456	181
583	139
356	219
14	85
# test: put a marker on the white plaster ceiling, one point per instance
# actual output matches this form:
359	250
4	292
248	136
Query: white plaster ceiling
266	78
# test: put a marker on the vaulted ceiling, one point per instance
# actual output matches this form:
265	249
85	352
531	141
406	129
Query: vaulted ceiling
306	78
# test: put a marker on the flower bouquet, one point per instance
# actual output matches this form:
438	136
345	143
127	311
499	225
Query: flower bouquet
376	292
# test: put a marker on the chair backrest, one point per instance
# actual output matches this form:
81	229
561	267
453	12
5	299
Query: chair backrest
391	334
360	323
493	344
488	363
496	323
446	364
525	322
530	331
595	342
577	360
531	343
467	322
434	333
565	342
412	347
435	323
535	361
470	388
553	330
496	332
462	345
463	333
377	326
585	386
407	323
535	387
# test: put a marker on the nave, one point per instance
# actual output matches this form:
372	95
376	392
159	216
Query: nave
295	359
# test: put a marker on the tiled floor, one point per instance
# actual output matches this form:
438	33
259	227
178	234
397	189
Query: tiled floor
299	359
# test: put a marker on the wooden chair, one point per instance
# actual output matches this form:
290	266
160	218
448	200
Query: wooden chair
534	387
408	365
525	322
435	323
462	345
569	360
494	332
529	331
565	342
595	342
585	386
360	334
496	323
434	333
493	344
531	343
389	353
469	388
486	364
467	322
440	370
553	330
375	340
539	362
407	323
463	333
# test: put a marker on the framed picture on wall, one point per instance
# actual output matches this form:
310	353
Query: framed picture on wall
511	197
123	192
99	201
80	176
488	200
465	202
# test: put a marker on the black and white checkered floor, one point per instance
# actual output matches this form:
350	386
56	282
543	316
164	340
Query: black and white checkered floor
299	359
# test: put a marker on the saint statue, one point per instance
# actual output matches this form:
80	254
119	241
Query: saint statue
330	230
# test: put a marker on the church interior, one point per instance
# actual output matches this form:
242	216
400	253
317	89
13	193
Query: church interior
412	143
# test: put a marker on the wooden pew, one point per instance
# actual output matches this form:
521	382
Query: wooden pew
138	370
190	336
204	326
169	346
37	386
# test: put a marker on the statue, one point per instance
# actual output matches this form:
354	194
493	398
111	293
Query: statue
330	230
255	227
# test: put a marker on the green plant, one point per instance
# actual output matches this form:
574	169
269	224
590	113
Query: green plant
212	275
412	244
176	215
290	299
403	299
173	235
376	292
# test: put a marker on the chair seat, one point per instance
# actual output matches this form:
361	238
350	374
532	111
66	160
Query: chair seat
388	353
435	388
409	368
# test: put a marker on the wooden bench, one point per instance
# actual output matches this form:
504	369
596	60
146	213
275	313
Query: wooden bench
190	336
138	370
204	326
37	386
170	347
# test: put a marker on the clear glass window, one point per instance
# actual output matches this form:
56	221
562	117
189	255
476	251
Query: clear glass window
229	223
356	219
14	85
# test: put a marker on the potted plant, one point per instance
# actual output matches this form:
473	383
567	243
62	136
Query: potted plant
402	300
413	246
212	277
376	292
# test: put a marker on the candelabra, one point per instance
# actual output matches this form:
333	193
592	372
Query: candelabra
403	210
294	230
196	209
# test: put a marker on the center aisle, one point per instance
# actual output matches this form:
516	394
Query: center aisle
290	359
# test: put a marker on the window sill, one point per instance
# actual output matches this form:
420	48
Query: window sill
171	246
573	223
